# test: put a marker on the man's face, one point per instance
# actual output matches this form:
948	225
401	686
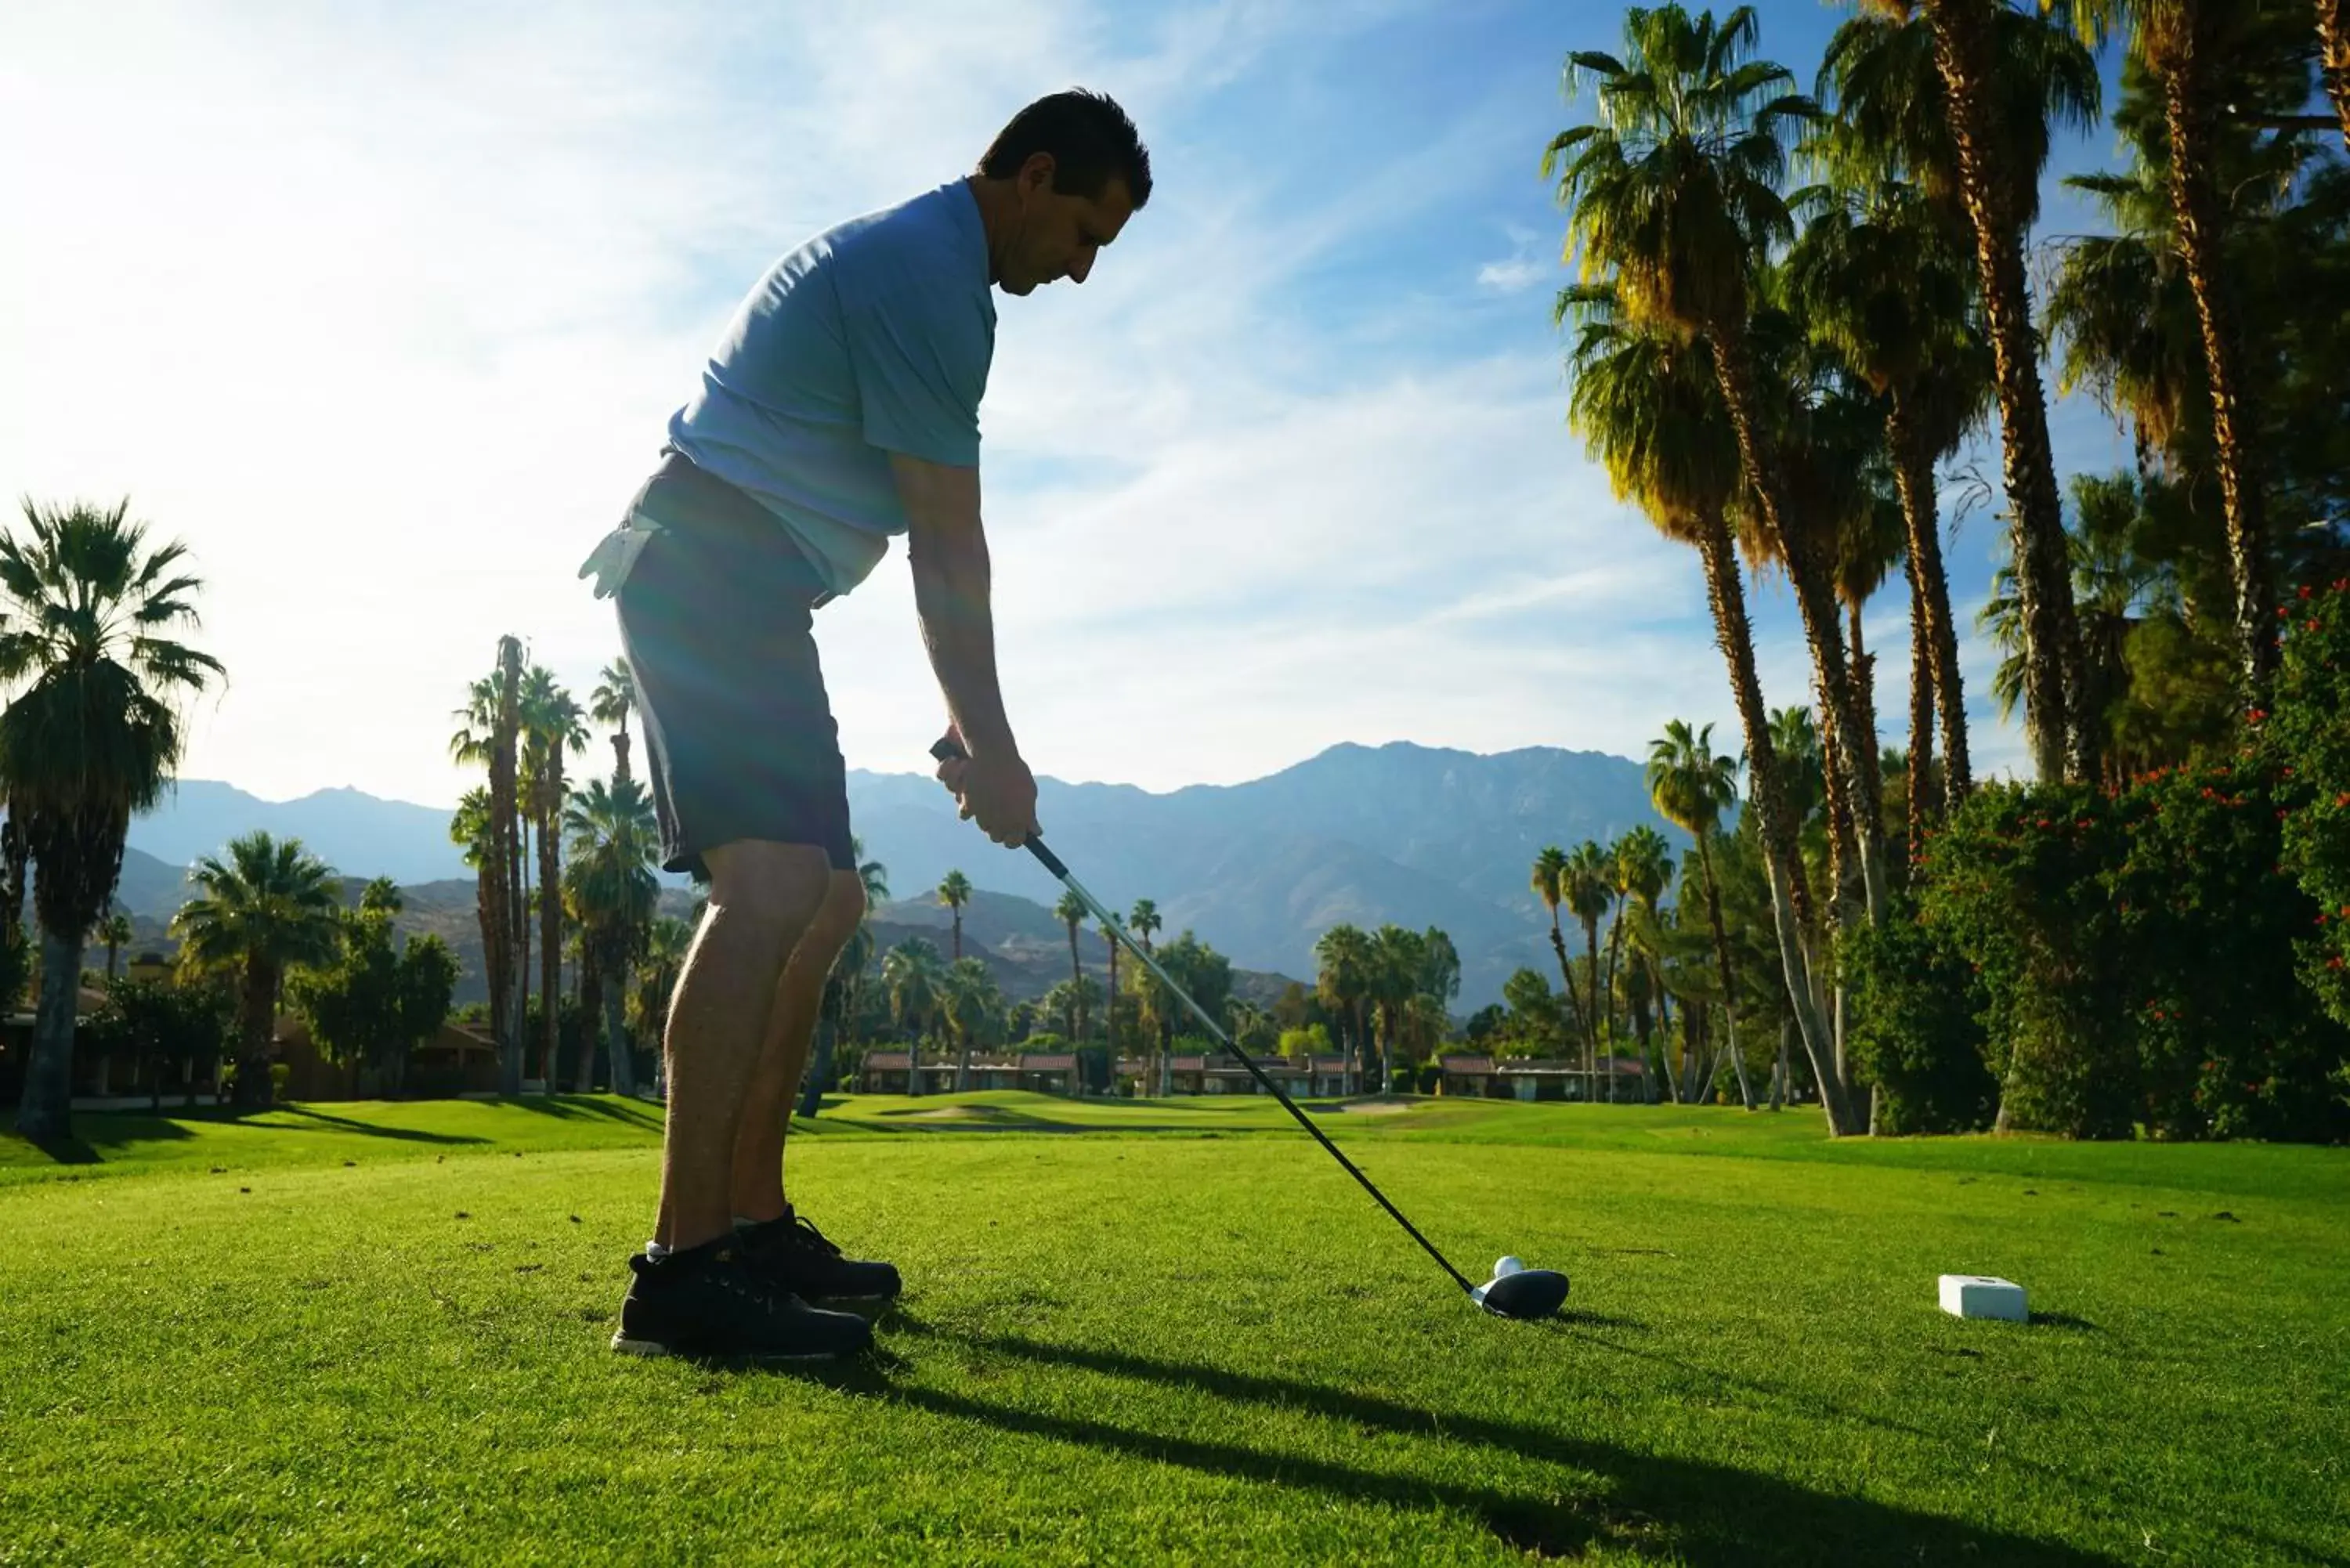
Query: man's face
1058	235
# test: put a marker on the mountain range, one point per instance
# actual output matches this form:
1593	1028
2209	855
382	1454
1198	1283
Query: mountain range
1414	834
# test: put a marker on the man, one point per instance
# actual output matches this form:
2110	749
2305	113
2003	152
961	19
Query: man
840	408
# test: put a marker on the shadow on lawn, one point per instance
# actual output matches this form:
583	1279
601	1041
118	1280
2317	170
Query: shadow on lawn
371	1129
1709	1514
644	1114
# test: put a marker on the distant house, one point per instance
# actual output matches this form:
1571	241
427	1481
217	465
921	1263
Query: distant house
1541	1078
1220	1074
1044	1073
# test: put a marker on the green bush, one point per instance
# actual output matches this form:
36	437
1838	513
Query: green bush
2309	737
2134	956
1916	1032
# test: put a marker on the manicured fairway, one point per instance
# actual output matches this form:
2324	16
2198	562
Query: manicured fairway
1175	1331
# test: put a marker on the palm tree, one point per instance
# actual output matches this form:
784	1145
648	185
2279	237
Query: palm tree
1673	196
1142	920
1110	1004
1071	911
954	892
269	907
1642	866
506	810
614	699
1342	976
1962	93
1588	890
485	827
90	738
1652	410
610	889
552	725
2333	57
2179	43
1691	787
1398	959
1881	280
970	1000
913	977
1549	884
116	933
844	987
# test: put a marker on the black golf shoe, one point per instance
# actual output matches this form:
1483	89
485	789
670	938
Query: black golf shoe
790	1254
707	1302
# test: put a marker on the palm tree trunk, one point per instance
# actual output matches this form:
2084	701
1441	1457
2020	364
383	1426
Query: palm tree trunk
2187	106
1566	975
1591	1016
2063	742
1076	993
256	1021
819	1071
1721	958
1913	474
2333	57
1919	784
45	1112
623	1067
591	1008
1779	1071
550	918
521	946
1863	681
1615	945
1777	827
1109	1021
1843	715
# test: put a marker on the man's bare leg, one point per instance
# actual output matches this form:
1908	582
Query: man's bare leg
791	1025
763	898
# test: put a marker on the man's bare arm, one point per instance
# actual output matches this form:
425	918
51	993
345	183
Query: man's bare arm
948	550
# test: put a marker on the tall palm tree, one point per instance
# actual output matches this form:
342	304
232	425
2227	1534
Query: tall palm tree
612	701
1962	92
610	889
1880	277
1588	891
116	933
913	977
1071	911
1651	410
1673	196
87	618
1342	956
954	892
1397	957
553	724
485	827
2334	58
1549	883
1691	787
2179	43
506	809
1110	1003
269	907
1142	920
1643	866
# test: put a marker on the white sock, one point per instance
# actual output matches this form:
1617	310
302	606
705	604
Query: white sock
655	1251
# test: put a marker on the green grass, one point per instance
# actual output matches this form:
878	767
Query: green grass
1175	1331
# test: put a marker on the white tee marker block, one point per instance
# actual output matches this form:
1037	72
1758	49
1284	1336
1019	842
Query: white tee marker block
1980	1296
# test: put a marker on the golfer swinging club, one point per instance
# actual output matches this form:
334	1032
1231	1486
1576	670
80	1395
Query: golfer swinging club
841	407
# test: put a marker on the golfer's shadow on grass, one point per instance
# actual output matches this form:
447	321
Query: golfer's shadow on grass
1714	1515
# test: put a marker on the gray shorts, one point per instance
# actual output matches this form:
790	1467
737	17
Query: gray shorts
715	610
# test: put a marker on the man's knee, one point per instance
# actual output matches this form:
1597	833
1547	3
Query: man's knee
836	919
774	892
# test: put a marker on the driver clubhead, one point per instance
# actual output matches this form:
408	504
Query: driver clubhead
1529	1294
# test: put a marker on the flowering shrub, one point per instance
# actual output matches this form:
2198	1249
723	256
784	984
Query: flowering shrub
2135	955
2309	734
1915	1028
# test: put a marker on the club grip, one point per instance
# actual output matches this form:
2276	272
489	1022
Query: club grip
945	750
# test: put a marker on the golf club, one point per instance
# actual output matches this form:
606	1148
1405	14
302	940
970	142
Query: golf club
1515	1291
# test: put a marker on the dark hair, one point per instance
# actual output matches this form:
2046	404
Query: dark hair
1090	139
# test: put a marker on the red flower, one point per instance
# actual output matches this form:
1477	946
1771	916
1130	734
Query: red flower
2305	592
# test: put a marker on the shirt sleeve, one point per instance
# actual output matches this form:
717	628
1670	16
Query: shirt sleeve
922	355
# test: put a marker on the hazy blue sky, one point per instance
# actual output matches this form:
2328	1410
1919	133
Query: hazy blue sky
383	307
